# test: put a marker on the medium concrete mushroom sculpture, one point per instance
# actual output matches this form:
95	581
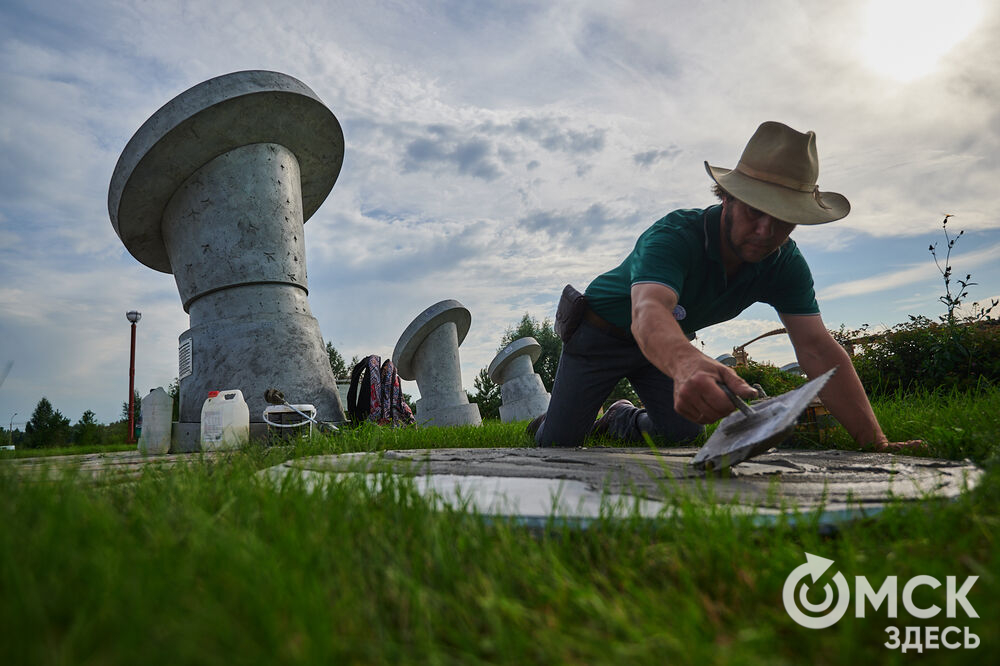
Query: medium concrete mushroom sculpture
522	392
427	351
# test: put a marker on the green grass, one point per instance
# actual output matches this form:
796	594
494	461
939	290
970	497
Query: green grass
207	564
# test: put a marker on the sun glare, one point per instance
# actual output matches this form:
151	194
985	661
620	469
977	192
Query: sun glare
905	39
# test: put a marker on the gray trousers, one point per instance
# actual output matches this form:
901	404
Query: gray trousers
591	364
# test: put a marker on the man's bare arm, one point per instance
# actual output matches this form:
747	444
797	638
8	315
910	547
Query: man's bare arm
843	395
697	396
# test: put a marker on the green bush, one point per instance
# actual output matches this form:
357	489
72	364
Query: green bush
770	378
924	355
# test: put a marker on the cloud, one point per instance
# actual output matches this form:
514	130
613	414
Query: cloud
551	134
473	157
582	230
977	306
481	150
914	274
650	157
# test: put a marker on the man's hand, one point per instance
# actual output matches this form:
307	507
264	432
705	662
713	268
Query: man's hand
697	396
909	446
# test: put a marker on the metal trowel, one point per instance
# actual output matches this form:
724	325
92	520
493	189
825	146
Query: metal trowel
750	431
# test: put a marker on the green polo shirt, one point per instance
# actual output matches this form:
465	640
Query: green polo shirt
682	252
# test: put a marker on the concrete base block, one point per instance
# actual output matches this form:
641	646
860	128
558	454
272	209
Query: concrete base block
256	337
454	415
522	388
186	437
525	409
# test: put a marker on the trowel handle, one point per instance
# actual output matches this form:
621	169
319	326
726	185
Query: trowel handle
737	401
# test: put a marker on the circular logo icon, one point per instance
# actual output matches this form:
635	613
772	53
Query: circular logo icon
815	619
680	312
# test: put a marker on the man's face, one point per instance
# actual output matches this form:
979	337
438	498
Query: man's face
749	234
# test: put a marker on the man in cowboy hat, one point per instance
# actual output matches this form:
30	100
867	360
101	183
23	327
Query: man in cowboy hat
692	269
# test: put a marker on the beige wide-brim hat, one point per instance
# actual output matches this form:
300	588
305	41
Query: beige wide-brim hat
777	175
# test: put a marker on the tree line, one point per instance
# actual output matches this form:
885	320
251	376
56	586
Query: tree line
49	428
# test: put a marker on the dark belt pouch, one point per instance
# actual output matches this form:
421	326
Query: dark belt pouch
569	314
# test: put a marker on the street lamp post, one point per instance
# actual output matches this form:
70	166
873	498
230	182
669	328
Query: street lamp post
10	428
133	316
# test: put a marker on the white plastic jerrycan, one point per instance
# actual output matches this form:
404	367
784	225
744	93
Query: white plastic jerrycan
225	420
157	417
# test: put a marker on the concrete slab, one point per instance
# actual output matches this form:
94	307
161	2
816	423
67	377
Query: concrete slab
532	485
101	467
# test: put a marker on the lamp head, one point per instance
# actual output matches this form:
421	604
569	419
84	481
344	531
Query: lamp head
133	316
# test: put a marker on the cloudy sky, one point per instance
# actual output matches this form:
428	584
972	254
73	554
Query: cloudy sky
494	152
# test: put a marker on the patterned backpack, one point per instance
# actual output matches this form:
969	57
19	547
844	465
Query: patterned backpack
385	405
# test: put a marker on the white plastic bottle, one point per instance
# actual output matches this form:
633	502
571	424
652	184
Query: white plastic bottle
225	420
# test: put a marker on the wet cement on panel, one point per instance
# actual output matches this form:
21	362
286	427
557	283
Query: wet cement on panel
535	482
